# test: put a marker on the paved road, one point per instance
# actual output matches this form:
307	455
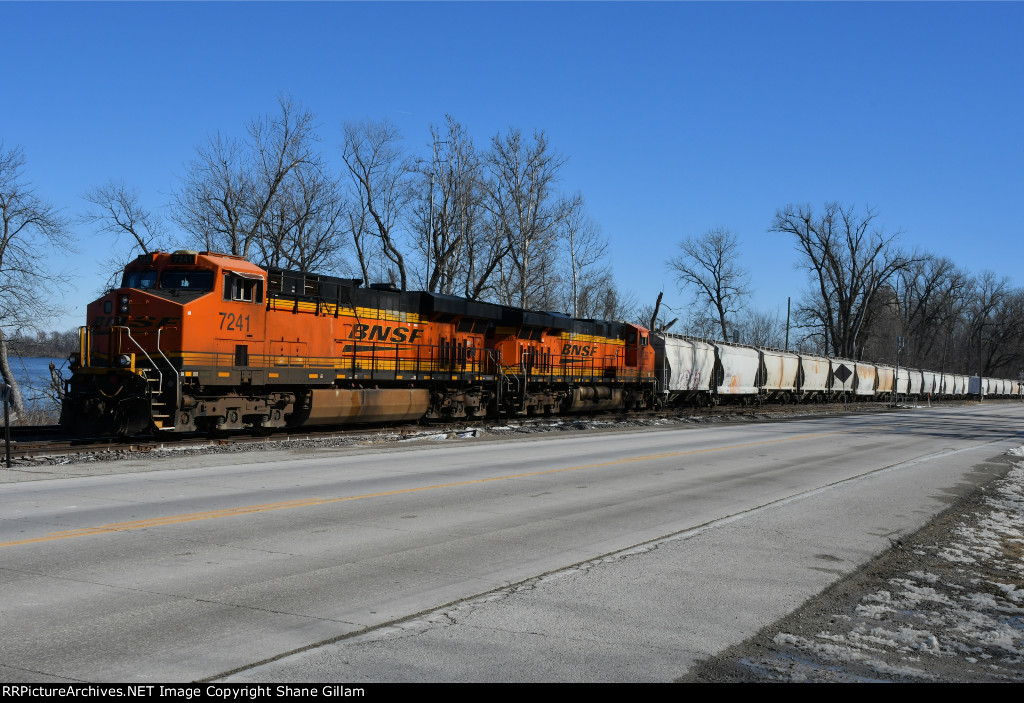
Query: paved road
212	564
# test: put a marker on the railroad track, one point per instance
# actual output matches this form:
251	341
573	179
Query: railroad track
47	441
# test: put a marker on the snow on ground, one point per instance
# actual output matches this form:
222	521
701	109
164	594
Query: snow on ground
951	610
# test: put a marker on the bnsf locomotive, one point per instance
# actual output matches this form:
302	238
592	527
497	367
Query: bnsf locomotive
198	341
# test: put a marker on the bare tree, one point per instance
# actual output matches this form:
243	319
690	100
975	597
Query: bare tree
587	278
600	298
449	212
305	226
1002	341
485	250
29	224
526	212
355	224
116	210
211	204
708	267
989	323
810	323
932	292
848	260
379	173
698	323
230	188
762	328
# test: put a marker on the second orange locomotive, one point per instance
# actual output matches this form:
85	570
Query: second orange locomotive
202	341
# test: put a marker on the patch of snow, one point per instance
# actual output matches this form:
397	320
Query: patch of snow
1010	590
880	597
956	555
874	611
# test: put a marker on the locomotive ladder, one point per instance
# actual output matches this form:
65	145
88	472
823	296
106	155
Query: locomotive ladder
164	405
506	382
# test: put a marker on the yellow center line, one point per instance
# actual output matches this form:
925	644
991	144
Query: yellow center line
284	505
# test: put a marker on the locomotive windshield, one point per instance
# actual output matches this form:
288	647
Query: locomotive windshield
186	280
140	280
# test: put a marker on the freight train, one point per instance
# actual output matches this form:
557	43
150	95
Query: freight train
207	342
698	371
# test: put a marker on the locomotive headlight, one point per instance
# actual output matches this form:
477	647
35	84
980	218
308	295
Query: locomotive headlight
124	360
124	303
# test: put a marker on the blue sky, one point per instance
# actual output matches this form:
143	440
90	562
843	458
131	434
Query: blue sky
676	117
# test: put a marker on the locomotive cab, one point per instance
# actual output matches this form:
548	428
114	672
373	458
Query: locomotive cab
128	372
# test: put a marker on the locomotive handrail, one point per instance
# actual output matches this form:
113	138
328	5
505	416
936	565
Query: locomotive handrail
387	357
177	376
85	346
144	352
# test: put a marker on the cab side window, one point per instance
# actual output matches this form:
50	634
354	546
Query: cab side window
246	290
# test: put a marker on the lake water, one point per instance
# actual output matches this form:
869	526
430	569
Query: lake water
33	373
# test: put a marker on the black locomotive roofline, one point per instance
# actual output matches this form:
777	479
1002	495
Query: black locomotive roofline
290	285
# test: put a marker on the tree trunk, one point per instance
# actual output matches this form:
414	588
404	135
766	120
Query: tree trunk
654	315
17	404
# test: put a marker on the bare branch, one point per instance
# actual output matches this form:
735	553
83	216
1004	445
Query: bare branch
849	260
379	175
27	224
230	188
707	266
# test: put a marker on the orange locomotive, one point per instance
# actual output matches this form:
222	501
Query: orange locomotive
202	341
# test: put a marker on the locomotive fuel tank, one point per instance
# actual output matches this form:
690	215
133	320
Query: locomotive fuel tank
338	406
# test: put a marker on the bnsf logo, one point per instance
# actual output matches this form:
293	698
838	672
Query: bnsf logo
578	350
394	334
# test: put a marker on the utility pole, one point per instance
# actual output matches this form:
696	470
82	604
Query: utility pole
5	393
981	387
896	376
